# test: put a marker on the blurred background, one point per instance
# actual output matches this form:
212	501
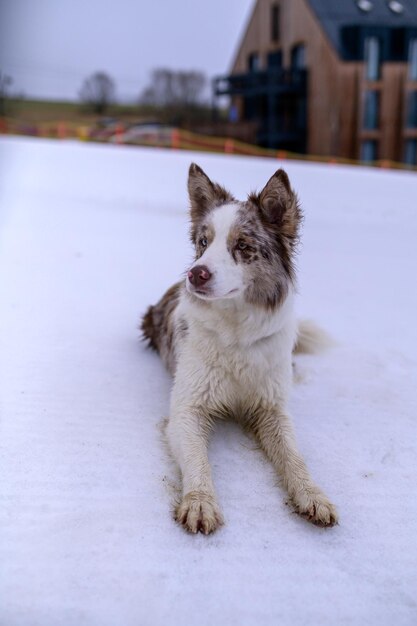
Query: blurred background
313	78
92	232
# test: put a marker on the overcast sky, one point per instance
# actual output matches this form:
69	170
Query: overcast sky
49	46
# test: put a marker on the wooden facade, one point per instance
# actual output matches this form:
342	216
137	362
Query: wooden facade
337	89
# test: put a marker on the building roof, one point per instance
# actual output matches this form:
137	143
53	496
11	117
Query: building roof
334	15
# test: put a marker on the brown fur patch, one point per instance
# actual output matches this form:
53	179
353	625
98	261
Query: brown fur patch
158	326
268	255
204	196
279	207
243	232
277	222
203	231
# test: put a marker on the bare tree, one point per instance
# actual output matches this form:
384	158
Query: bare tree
98	92
5	82
173	88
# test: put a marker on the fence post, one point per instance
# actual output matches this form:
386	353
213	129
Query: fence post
175	139
281	154
119	134
82	132
61	130
229	146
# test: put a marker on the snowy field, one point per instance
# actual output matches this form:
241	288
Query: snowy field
89	236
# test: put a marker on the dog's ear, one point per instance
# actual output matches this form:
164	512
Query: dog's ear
204	194
279	204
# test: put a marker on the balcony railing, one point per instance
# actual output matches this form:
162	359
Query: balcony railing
266	82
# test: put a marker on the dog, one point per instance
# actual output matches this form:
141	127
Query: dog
227	334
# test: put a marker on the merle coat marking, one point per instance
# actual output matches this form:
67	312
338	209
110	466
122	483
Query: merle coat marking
227	334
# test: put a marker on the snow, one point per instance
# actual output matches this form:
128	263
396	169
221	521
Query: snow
89	236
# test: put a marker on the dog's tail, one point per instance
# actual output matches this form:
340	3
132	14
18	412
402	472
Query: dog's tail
311	339
158	326
148	329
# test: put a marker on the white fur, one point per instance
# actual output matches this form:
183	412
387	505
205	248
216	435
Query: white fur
227	279
234	360
311	339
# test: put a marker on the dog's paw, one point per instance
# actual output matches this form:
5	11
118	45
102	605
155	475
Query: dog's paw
315	507
198	512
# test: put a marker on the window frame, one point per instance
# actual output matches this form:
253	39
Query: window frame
372	109
363	149
254	62
412	59
410	149
295	49
411	109
372	58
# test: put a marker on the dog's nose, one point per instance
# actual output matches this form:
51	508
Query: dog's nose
199	275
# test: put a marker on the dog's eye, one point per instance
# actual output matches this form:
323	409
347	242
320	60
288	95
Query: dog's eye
203	242
241	245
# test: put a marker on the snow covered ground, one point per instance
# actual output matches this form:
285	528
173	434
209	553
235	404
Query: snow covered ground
89	236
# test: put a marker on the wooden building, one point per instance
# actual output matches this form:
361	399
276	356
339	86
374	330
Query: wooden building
329	77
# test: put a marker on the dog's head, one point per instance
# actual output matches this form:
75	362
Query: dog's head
245	248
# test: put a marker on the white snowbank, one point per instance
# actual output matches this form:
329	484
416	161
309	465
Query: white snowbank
89	236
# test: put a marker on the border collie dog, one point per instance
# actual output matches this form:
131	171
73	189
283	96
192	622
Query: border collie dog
227	334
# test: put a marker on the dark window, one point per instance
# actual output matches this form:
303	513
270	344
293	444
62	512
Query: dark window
412	109
372	58
412	59
253	62
275	59
250	109
301	114
275	22
350	37
397	44
371	110
369	150
298	57
410	152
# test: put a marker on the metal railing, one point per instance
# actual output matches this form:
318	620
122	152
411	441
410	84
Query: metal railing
265	82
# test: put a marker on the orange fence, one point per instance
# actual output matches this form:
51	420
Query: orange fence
174	138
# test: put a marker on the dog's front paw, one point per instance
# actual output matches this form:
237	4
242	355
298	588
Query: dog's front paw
315	507
198	512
